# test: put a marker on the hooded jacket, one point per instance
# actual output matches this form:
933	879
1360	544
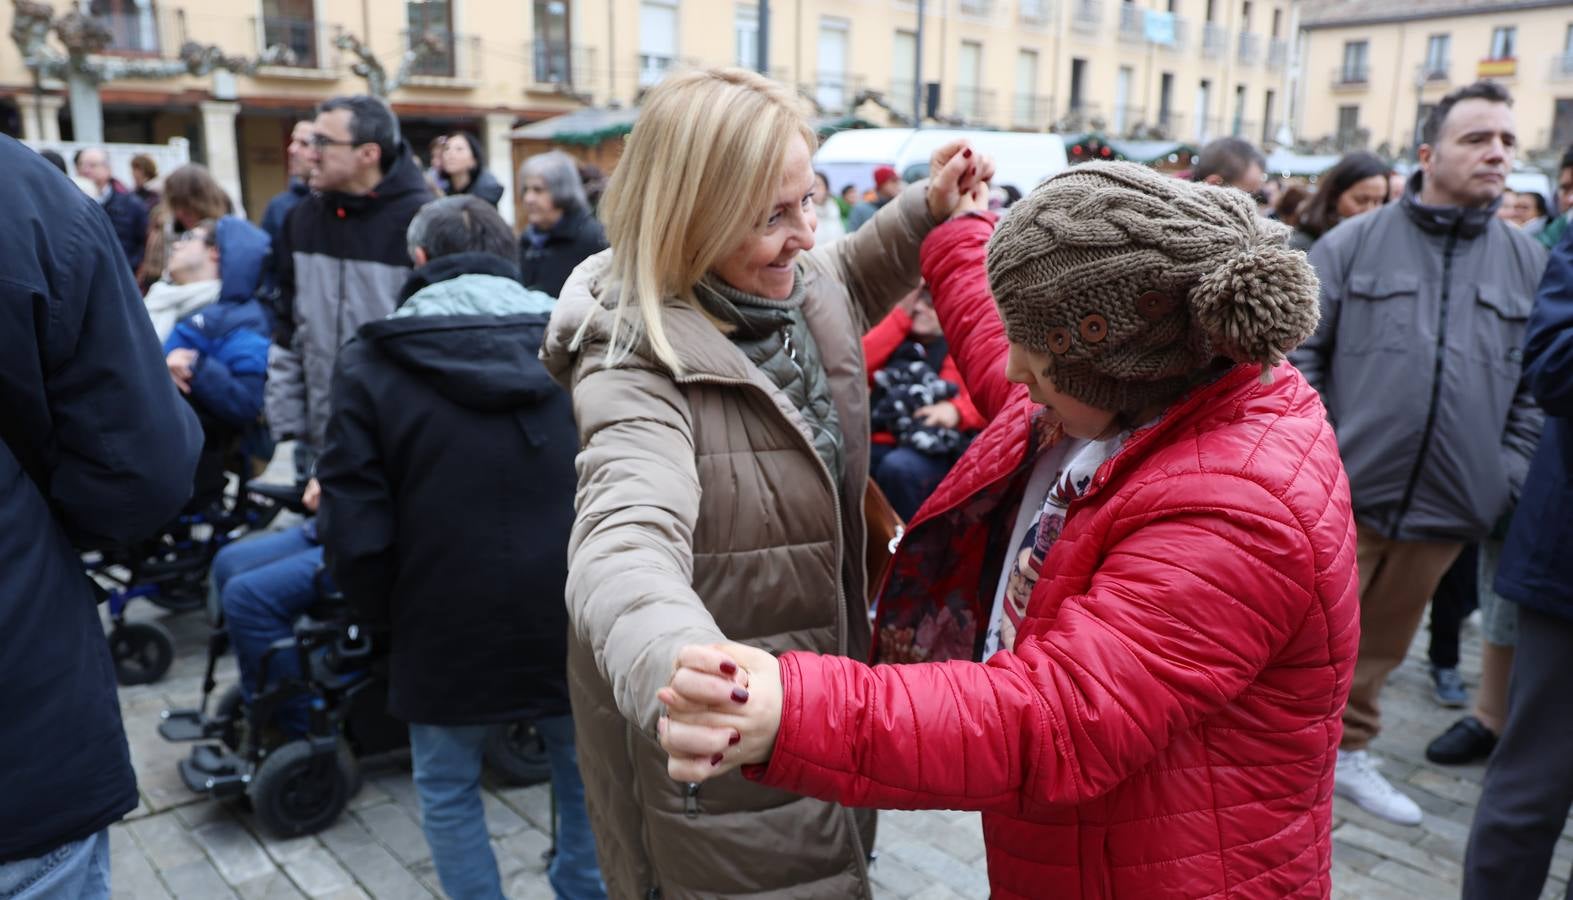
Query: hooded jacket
704	511
231	335
95	446
1419	359
341	264
1167	725
447	495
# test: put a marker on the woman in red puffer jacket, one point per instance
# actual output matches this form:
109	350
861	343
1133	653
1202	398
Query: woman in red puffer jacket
1155	533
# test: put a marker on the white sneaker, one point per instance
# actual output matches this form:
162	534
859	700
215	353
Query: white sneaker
1357	779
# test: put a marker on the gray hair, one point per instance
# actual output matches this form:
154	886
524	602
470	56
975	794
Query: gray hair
558	171
461	223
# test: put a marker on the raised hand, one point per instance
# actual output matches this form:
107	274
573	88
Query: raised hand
723	710
954	171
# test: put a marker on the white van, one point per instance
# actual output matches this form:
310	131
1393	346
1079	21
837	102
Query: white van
1020	159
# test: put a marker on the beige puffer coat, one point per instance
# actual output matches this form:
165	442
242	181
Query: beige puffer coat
704	514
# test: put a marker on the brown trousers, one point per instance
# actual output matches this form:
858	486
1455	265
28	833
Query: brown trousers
1397	579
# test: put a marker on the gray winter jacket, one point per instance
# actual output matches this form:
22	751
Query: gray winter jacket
1418	360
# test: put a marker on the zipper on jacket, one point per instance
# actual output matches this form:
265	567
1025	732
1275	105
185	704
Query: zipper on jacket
691	800
1436	385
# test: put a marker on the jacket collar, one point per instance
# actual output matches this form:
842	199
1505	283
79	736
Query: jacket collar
1467	222
445	268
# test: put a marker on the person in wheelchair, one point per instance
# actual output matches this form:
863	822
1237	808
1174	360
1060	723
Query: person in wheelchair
447	501
218	355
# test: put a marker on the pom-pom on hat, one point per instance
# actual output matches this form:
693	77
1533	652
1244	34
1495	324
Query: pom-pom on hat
1133	283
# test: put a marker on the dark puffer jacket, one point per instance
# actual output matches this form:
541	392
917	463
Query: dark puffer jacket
95	446
577	236
447	495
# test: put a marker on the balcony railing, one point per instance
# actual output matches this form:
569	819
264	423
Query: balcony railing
1086	15
1562	67
310	43
1126	119
1351	76
1356	138
1214	40
1132	23
834	91
1034	12
1436	70
653	67
454	56
974	104
978	9
569	68
1080	116
1250	48
1242	128
1031	111
144	32
1277	53
1182	34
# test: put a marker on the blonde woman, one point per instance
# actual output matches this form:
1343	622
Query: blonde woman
717	374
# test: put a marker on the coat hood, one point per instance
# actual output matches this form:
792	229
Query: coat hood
402	178
474	337
243	251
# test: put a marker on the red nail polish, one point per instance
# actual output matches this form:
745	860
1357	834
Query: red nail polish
735	739
967	153
739	695
971	170
728	667
716	760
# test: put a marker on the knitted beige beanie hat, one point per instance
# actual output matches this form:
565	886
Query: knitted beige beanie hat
1133	282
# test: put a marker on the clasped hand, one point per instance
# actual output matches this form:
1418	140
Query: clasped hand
723	710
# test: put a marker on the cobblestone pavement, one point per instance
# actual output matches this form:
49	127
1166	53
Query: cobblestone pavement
179	845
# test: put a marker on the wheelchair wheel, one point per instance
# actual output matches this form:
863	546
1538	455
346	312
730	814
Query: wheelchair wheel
516	753
142	651
293	794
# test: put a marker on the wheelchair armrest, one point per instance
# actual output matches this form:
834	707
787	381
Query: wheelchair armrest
285	495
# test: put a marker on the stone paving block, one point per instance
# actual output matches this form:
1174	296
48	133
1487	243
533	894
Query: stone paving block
401	787
896	877
131	875
346	834
381	874
528	846
391	824
317	873
282	850
501	820
1414	881
941	892
349	893
425	872
969	881
1463	792
530	886
1351	885
196	880
963	841
534	803
165	840
1357	858
273	886
370	794
194	815
234	852
1390	849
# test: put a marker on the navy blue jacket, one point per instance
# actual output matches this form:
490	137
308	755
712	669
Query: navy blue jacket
231	335
1536	568
97	447
273	219
128	214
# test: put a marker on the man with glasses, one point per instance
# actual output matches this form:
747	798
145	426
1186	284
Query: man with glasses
341	261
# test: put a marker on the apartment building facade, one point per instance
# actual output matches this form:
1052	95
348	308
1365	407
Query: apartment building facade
1188	70
1373	69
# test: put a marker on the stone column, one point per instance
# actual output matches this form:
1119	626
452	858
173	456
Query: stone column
218	138
30	106
499	158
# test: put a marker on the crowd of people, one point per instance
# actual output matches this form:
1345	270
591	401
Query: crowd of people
1180	463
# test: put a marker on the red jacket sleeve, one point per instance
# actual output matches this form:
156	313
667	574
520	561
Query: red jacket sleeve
971	419
1194	597
883	339
953	256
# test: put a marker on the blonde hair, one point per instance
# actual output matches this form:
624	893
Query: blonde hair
699	171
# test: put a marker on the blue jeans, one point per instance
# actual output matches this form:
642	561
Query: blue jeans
447	762
906	476
76	871
264	584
